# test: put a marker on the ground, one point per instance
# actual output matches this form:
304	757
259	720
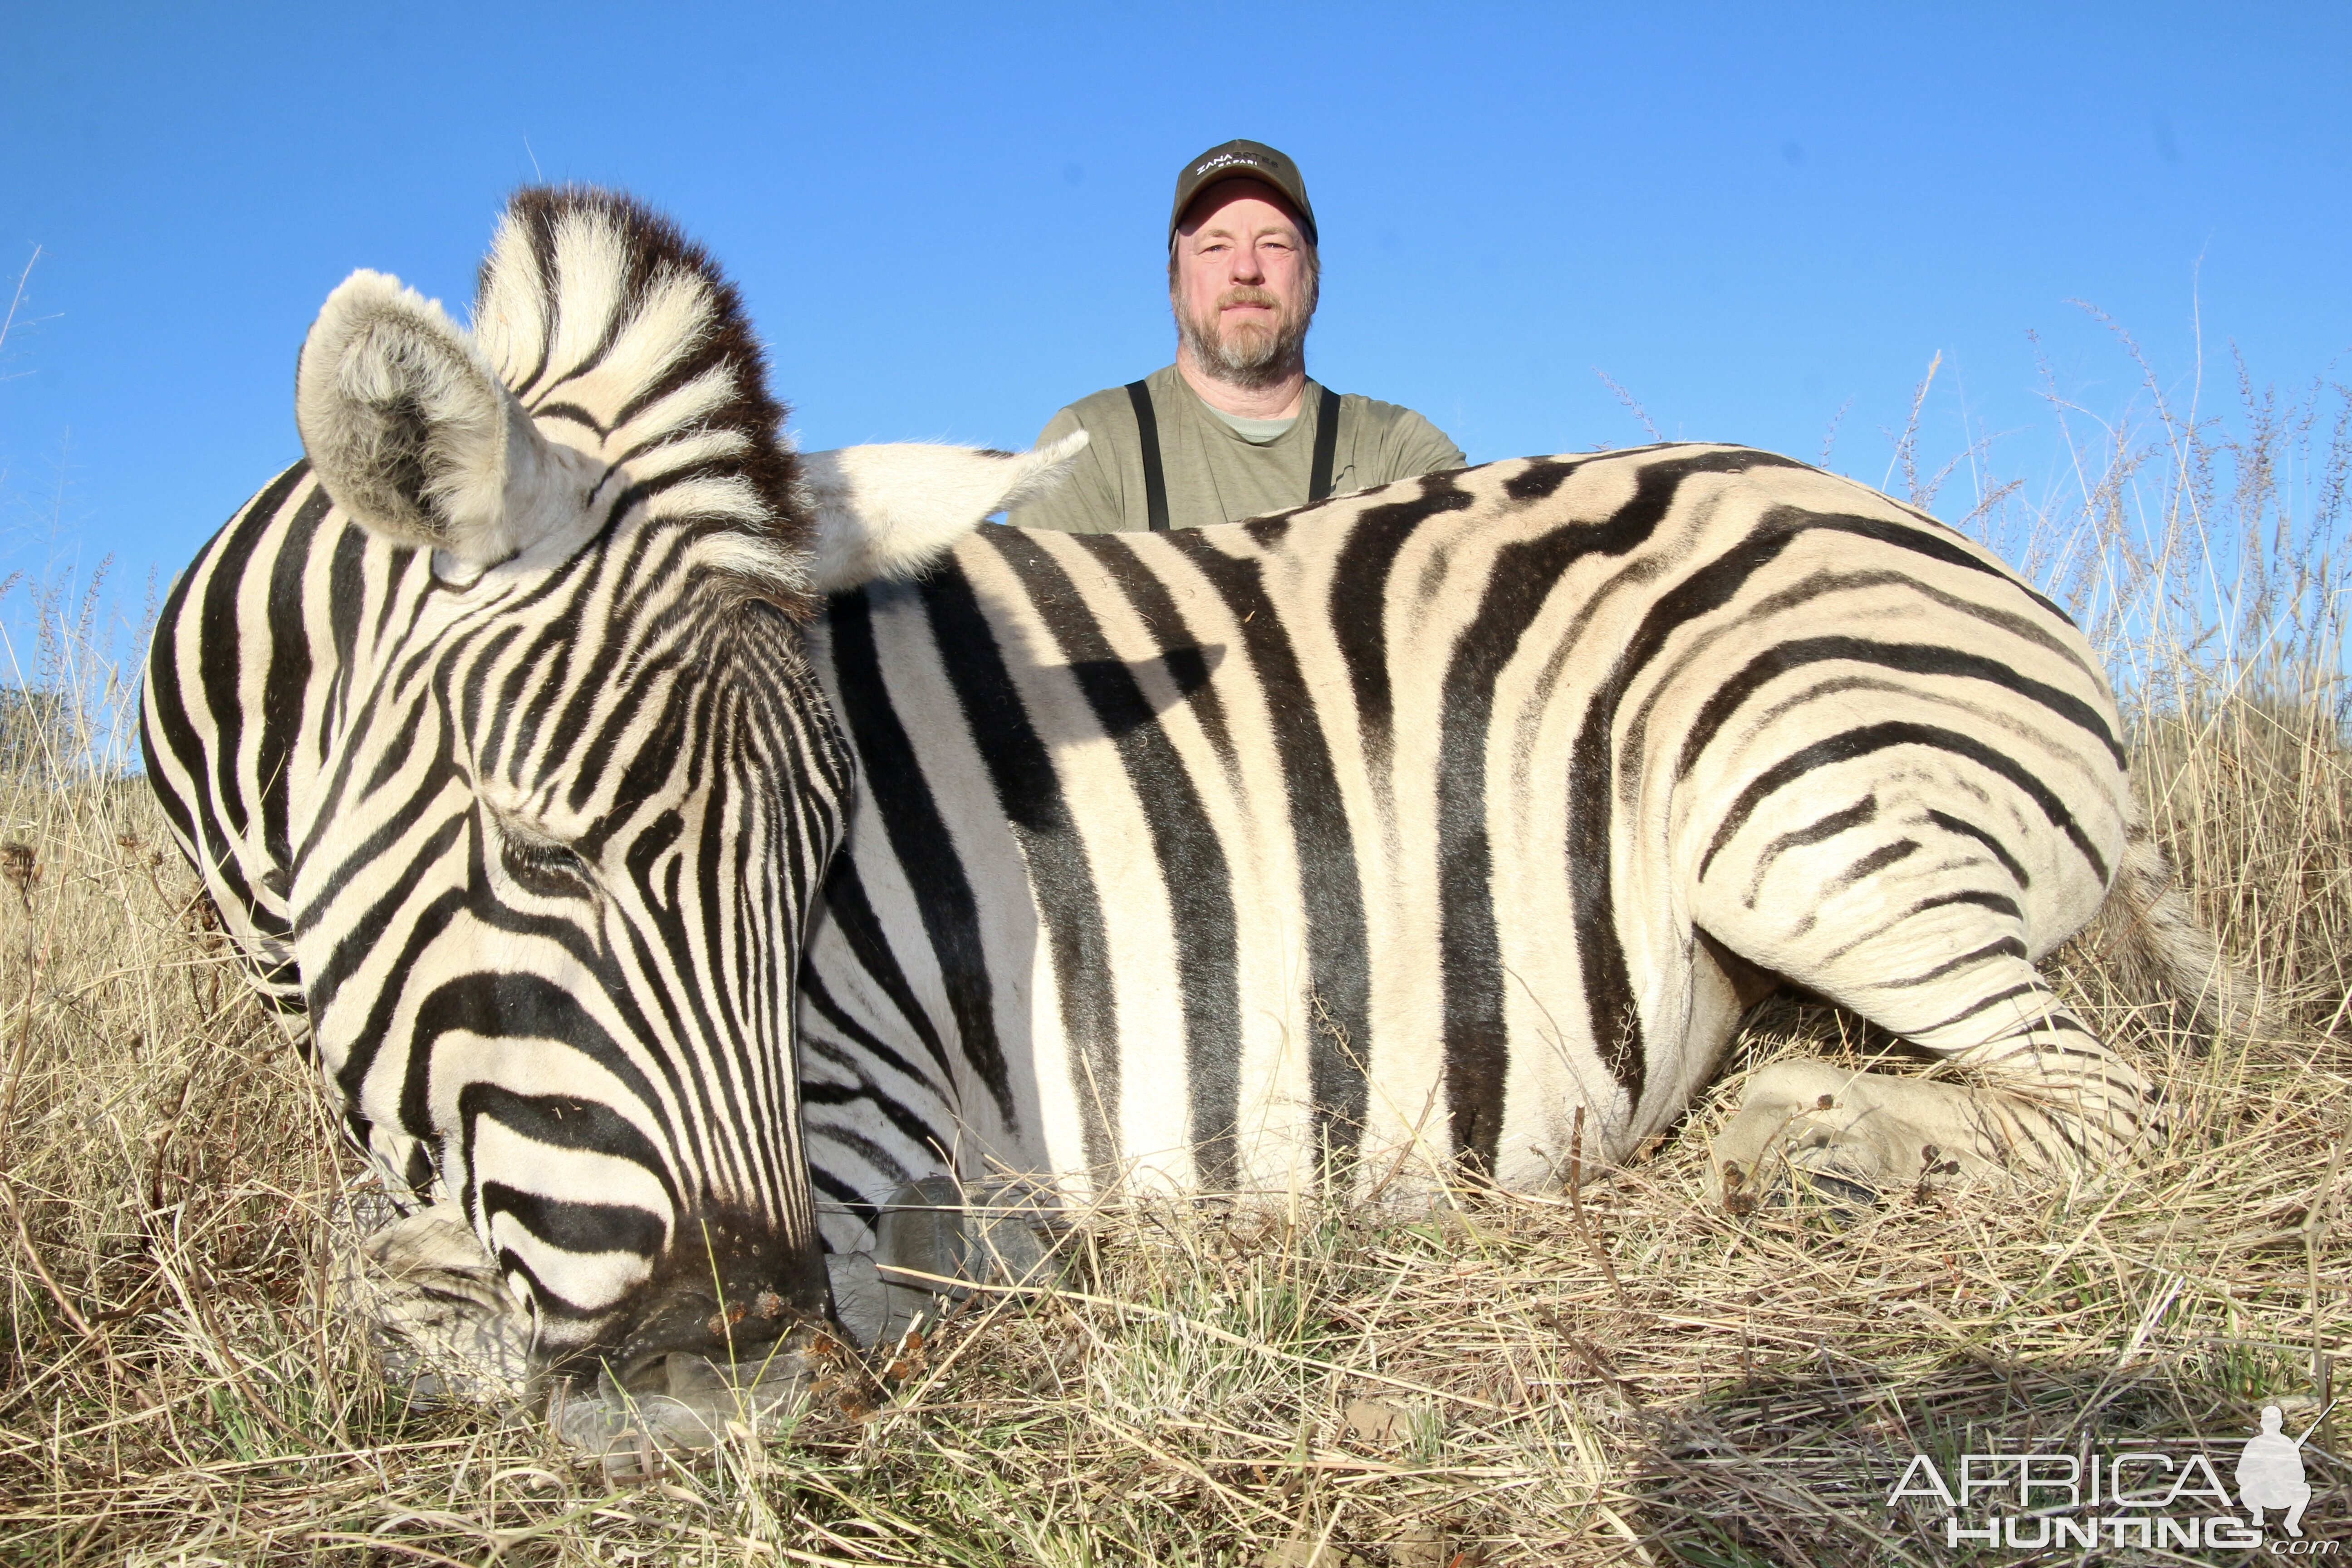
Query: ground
1628	1375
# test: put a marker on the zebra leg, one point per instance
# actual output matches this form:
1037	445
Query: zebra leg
2042	1092
2046	1095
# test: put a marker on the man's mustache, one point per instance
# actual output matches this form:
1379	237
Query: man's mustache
1248	294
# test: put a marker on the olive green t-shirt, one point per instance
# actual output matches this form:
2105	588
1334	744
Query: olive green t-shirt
1214	473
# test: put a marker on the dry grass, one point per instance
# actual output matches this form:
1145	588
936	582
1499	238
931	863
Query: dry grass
1207	1387
1632	1376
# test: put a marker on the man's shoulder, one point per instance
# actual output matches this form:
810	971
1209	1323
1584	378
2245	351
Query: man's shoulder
1383	415
1112	405
1393	442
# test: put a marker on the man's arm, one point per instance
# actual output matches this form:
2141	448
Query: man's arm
1086	501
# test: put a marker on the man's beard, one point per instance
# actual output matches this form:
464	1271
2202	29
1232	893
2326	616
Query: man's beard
1252	355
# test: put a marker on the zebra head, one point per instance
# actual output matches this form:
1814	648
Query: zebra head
560	788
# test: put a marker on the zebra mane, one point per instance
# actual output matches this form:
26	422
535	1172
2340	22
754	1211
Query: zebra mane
624	340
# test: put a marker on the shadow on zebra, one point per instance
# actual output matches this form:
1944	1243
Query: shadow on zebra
1386	844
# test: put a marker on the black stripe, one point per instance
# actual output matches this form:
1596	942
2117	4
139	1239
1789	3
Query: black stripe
863	1047
574	1225
2009	862
346	597
482	1006
560	1122
1921	534
1872	738
1539	479
1029	793
1862	811
2000	903
909	1124
1804	595
861	930
220	672
894	1175
290	671
2023	988
1339	973
578	415
1326	446
340	801
705	1077
1184	845
166	711
545	1301
893	775
1876	861
1157	612
1911	658
417	1170
846	1198
1359	605
1155	478
538	221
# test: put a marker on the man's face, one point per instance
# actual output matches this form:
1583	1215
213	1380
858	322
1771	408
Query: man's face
1244	288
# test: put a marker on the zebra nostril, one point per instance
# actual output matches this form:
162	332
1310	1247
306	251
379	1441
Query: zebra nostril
648	1373
764	1309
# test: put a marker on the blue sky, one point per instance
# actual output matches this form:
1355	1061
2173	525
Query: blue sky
948	220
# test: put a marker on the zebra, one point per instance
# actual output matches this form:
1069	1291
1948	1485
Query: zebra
1446	830
487	728
515	728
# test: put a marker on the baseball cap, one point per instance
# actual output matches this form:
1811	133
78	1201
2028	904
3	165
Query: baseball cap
1246	161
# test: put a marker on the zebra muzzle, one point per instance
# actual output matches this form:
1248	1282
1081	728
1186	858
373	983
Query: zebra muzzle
722	1329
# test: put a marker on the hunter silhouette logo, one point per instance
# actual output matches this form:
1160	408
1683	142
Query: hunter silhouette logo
2138	1497
2269	1471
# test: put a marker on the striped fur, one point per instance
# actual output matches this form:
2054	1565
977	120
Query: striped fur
1348	847
488	729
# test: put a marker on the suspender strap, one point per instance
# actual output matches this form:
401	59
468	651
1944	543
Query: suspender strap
1326	446
1155	478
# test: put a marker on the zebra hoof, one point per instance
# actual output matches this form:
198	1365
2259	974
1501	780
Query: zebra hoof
861	1302
1808	1127
691	1406
1777	1156
1844	1198
931	1235
1788	1185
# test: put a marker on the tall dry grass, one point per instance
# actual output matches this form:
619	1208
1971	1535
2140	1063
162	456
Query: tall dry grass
1621	1374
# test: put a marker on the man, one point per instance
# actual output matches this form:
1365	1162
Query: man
1233	428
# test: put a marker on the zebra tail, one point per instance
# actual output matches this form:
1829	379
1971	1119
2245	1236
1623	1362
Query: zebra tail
2161	956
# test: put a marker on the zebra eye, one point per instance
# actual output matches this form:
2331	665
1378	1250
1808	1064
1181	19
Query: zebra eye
545	868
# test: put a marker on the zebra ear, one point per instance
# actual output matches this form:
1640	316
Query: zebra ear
890	511
411	431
